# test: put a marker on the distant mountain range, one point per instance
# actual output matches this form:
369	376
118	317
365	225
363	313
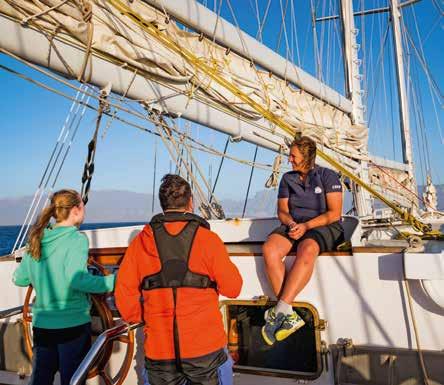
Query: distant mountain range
127	206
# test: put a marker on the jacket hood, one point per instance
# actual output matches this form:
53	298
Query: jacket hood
51	236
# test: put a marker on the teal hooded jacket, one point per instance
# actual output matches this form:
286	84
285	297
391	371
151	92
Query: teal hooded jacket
61	279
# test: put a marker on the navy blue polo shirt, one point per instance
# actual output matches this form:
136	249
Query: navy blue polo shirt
307	200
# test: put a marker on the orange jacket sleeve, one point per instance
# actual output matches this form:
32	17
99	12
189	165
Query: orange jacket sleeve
225	272
127	291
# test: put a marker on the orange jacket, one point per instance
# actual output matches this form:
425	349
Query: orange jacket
199	320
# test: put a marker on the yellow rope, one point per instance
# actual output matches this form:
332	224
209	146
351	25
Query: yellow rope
213	73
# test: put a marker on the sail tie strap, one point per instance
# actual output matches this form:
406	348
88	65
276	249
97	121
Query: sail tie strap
273	179
42	13
86	9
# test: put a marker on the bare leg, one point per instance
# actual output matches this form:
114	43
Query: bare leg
301	271
274	250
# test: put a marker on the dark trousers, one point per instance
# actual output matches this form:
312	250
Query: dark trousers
213	369
63	354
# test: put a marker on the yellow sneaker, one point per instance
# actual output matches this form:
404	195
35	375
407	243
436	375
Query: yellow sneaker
272	322
290	324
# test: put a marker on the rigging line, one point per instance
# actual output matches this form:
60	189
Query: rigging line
416	91
287	46
380	121
213	38
200	146
417	125
258	17
384	87
255	8
246	52
327	59
370	61
438	7
249	182
45	186
364	55
432	28
244	46
424	65
315	41
68	84
322	39
51	171
219	169
419	111
378	74
421	46
164	39
340	49
264	19
295	30
70	143
44	12
391	85
211	207
283	16
79	105
168	144
292	36
39	187
282	26
122	97
307	34
415	194
410	40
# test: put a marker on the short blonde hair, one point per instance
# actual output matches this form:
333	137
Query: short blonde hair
307	147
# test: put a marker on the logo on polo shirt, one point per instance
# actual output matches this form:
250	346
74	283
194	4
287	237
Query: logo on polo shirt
336	187
318	190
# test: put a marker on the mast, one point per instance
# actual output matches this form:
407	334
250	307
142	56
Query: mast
406	139
353	90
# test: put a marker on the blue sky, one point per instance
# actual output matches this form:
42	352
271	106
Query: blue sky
32	117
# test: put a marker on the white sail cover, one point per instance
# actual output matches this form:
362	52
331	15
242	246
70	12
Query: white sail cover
119	38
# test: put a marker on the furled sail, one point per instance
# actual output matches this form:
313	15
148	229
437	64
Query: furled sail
101	28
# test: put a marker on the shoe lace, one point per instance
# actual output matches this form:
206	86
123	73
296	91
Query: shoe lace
271	317
290	319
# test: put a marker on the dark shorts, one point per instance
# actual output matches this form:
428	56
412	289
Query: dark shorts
327	237
212	369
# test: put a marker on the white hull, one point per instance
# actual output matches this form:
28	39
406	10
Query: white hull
362	296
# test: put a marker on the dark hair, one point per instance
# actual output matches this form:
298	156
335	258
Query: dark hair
174	192
307	148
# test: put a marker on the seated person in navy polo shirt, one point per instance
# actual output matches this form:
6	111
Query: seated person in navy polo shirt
309	208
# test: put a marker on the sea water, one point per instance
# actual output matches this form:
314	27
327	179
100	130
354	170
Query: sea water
8	234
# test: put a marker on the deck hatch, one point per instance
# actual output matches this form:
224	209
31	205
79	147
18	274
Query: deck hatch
299	356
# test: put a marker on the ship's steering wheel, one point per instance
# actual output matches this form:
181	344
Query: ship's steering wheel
102	311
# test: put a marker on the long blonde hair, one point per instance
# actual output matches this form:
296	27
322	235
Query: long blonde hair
59	208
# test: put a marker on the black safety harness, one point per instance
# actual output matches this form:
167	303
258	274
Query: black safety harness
174	253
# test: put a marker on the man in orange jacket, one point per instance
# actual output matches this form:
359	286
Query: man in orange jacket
179	267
